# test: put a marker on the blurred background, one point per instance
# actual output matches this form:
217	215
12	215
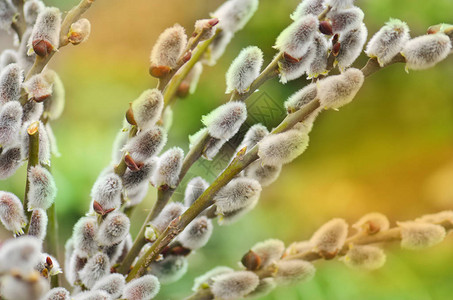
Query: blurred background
390	151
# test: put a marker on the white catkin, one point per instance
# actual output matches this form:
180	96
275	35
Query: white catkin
296	270
282	148
58	293
264	174
168	168
113	284
14	287
79	31
196	234
53	269
170	269
143	288
113	229
205	27
93	295
228	218
170	212
297	37
340	4
10	161
12	212
7	12
343	20
330	237
211	149
10	123
298	247
22	253
293	70
265	286
269	251
42	188
253	136
44	145
47	29
218	47
107	191
137	195
147	108
84	234
146	144
426	51
301	98
308	7
32	8
338	90
364	257
54	105
318	64
75	264
32	111
437	218
234	285
38	224
206	278
169	47
37	88
388	41
8	56
372	223
96	267
194	189
244	69
234	14
135	179
352	43
417	235
238	193
224	122
11	78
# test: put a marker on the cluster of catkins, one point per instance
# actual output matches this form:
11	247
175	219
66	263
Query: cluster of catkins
270	264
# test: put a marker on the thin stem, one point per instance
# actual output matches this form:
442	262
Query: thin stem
52	239
33	160
18	24
323	15
372	65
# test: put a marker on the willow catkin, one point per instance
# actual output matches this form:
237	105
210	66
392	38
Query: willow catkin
282	148
224	122
11	78
113	284
234	14
238	193
42	188
12	212
79	31
169	47
168	168
234	285
113	229
143	288
308	7
10	123
96	267
244	70
343	20
45	37
352	43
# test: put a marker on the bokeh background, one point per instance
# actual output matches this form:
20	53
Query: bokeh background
390	151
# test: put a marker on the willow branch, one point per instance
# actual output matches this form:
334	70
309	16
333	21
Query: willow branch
18	24
33	160
372	65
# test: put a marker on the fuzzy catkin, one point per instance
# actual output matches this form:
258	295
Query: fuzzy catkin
372	223
168	168
244	69
169	47
282	148
206	278
290	70
269	251
135	179
330	237
234	285
12	212
388	41
301	98
15	287
171	211
112	284
22	253
344	20
417	235
7	11
147	108
196	234
58	293
113	229
42	189
84	234
11	78
296	270
308	7
318	64
143	288
37	88
194	189
296	38
79	31
8	56
238	193
234	14
170	269
107	191
146	144
352	43
38	224
253	136
365	257
224	122
10	122
264	174
32	8
10	161
96	267
45	37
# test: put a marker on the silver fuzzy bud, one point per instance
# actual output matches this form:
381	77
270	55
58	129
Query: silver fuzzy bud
20	288
282	148
238	193
113	229
32	8
196	234
10	123
234	14
42	190
84	234
135	179
264	174
301	98
7	12
169	47
22	254
244	70
79	31
58	293
146	144
343	20
12	212
107	191
170	269
206	278
234	285
147	108
253	136
143	288
96	267
318	64
113	284
364	257
8	56
352	43
291	70
194	189
296	270
45	37
11	78
330	237
10	161
168	168
308	7
169	213
269	251
418	235
38	224
224	122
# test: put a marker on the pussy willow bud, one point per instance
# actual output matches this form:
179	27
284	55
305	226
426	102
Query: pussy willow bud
291	70
22	254
372	223
8	56
228	218
136	195
45	37
437	218
113	229
30	288
135	179
318	64
54	105
113	284
265	286
107	191
38	224
147	109
296	38
93	295
298	247
48	265
84	234
170	269
234	285
426	51
388	41
42	189
244	69
58	293
269	251
264	174
225	121
338	90
238	193
10	122
25	61
330	237
37	88
211	149
12	212
97	267
75	264
282	148
194	189
206	27
7	12
169	47
416	235
10	161
196	234
253	136
343	20
32	8
11	78
44	145
308	7
218	46
143	288
352	43
296	270
168	168
79	31
364	257
301	98
146	144
32	111
206	279
170	212
234	14
340	4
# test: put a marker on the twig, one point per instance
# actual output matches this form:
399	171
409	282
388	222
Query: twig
33	160
18	24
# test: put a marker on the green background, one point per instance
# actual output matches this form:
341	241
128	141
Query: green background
389	151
